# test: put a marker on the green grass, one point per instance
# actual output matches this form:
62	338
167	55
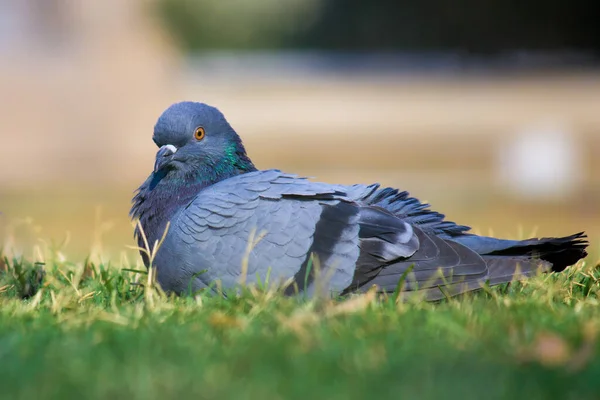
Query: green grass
97	331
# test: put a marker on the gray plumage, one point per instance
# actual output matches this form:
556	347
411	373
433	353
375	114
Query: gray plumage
231	222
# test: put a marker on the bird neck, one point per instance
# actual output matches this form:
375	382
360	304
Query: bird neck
165	192
234	162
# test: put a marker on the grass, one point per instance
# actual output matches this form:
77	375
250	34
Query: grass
100	331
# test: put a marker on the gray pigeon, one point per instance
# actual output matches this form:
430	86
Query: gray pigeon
232	223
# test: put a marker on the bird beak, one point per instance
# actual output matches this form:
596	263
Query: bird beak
163	156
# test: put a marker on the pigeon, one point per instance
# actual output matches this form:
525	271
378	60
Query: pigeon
208	219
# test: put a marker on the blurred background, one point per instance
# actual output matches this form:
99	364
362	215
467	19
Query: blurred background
488	110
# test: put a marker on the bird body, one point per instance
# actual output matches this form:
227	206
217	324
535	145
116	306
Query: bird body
231	223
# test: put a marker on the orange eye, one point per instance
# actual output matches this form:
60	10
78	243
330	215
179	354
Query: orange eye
199	133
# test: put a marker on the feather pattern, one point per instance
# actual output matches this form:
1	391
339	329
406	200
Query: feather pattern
232	223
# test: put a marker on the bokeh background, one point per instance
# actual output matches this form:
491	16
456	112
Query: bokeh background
488	110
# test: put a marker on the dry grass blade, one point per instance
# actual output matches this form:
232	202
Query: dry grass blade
253	240
354	304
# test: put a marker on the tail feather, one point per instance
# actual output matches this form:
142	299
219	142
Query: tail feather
507	261
505	269
501	269
558	252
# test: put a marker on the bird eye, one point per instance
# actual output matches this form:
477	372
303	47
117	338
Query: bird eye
199	133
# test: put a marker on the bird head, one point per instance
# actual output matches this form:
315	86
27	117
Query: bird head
195	137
